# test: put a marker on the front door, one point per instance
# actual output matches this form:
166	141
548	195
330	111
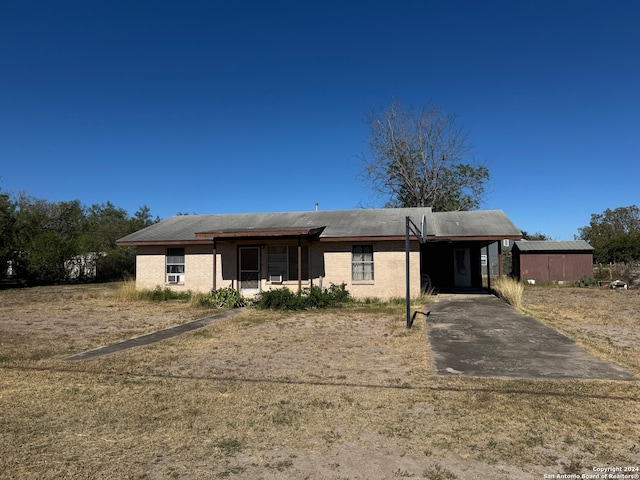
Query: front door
249	270
462	267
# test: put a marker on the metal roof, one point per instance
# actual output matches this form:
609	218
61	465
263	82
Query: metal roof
549	246
386	222
477	223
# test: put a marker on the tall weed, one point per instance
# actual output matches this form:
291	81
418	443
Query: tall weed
127	292
510	290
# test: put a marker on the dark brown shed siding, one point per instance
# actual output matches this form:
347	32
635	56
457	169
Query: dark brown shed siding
553	267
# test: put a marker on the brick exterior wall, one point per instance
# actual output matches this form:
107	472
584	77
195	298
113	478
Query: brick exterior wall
389	269
150	267
328	263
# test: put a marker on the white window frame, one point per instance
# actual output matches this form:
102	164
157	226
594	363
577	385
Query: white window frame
364	266
174	266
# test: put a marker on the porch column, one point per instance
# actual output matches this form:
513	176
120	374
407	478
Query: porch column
488	247
499	259
299	264
215	273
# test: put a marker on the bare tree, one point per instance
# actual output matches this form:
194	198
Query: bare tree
417	160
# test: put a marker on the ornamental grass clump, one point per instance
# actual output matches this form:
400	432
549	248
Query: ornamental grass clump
510	290
127	292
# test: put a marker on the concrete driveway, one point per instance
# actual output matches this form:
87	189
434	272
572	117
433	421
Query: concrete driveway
481	335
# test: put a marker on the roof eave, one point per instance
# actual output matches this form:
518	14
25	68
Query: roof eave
146	243
258	234
473	238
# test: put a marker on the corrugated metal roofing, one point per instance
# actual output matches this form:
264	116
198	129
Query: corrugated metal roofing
550	246
387	222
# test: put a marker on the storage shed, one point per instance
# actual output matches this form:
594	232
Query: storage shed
545	261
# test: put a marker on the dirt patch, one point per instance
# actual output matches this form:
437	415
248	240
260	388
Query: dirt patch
68	319
605	321
342	394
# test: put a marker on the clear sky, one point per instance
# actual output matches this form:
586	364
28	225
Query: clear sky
256	106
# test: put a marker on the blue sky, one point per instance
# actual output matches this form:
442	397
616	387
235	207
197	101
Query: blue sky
228	107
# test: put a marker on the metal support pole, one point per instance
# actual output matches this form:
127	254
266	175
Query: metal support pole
488	247
421	235
215	260
299	265
407	249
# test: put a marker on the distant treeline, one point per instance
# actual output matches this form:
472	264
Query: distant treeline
43	242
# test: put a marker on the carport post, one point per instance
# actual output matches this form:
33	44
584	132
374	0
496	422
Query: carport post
215	273
407	249
421	235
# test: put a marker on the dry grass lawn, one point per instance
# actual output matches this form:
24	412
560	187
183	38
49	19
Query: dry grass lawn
340	394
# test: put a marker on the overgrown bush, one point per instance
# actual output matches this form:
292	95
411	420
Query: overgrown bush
624	272
510	290
617	271
227	297
601	272
309	298
585	282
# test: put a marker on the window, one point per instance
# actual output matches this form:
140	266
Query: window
282	263
362	263
175	265
505	242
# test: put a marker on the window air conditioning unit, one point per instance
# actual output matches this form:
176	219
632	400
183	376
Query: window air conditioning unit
174	278
275	278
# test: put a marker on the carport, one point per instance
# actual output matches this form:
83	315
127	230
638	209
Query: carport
451	257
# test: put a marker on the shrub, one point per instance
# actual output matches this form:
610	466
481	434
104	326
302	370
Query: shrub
227	297
309	298
585	282
278	299
510	290
602	273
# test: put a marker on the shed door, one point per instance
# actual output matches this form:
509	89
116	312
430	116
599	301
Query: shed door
249	270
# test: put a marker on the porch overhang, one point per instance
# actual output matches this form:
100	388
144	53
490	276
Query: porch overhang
255	234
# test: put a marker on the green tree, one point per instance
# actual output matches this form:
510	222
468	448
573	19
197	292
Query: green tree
46	237
418	159
57	241
614	235
7	232
106	224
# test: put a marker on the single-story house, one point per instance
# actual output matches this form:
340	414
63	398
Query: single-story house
365	249
547	261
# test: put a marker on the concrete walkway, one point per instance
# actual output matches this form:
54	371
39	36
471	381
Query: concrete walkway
152	337
481	335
